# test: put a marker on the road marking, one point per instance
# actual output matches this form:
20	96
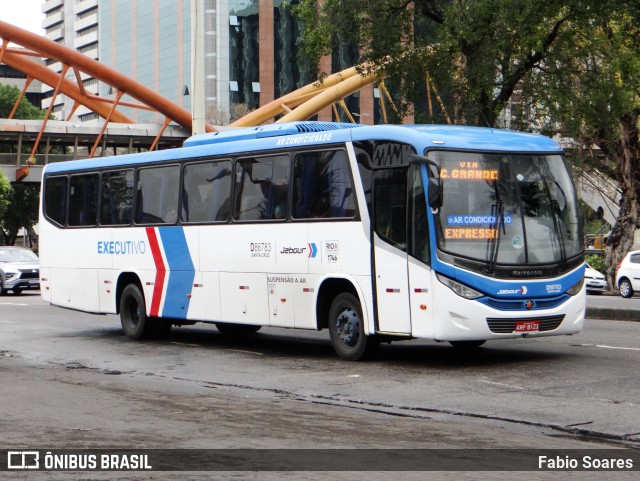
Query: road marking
12	304
611	347
616	347
7	322
502	385
244	352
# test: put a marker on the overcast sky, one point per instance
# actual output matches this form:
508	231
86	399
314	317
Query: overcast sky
23	13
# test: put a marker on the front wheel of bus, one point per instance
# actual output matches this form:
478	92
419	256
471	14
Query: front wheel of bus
346	328
133	315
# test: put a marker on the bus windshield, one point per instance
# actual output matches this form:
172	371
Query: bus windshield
507	209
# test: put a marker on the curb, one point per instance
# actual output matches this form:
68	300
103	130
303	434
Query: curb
613	314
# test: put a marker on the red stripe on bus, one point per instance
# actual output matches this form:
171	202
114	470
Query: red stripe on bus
160	271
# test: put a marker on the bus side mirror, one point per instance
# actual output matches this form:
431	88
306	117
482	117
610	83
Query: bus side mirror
434	193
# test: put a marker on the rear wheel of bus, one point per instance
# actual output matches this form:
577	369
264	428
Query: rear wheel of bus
346	328
133	317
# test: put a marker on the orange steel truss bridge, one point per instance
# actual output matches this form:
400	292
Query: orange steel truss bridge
23	51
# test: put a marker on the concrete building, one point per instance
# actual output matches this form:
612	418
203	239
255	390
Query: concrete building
74	24
250	53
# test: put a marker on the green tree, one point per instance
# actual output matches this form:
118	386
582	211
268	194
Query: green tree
5	195
591	93
22	212
18	205
476	52
8	97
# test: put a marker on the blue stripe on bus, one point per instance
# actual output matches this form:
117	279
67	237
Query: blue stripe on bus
181	272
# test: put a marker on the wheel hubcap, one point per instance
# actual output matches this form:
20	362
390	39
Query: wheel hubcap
348	326
624	289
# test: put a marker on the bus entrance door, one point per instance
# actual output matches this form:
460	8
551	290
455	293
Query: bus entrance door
392	288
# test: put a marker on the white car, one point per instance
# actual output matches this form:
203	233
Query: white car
628	274
595	281
19	269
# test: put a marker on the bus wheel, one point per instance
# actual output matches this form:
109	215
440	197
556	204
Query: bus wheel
347	329
133	316
467	344
237	329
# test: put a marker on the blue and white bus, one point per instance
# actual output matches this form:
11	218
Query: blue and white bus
377	233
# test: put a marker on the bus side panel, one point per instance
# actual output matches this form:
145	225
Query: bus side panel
205	299
72	263
343	251
255	263
132	250
244	298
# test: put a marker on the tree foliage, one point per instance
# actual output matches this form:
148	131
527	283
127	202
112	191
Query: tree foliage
22	212
26	110
18	204
5	194
476	52
591	94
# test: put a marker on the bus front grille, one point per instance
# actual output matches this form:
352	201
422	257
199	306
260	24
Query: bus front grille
500	325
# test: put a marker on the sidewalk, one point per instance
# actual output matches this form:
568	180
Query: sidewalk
613	314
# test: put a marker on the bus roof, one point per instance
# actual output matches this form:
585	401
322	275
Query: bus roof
274	136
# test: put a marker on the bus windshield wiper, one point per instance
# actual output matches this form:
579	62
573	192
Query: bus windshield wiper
557	224
497	225
557	221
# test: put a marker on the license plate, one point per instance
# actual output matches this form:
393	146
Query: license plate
34	281
527	326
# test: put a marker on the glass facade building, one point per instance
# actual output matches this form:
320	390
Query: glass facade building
250	52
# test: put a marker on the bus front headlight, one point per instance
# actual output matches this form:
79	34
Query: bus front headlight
460	289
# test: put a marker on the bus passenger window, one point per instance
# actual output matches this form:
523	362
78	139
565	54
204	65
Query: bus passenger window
322	186
116	200
262	185
206	192
55	199
157	195
83	200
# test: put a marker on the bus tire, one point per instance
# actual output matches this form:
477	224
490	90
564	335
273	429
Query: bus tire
467	344
346	328
133	314
625	288
229	329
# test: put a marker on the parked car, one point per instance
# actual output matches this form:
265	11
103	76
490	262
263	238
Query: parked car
628	274
19	269
595	281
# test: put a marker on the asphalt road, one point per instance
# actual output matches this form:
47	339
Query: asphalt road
72	380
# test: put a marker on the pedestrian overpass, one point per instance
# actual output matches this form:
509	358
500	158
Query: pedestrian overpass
63	140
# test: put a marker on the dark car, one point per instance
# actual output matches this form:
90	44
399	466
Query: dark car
19	269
